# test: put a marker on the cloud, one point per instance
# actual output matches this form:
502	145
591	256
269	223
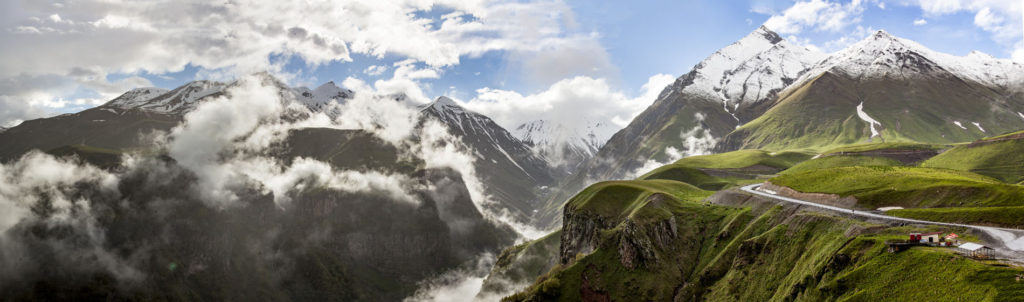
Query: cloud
940	7
988	20
816	15
1003	19
41	189
375	70
561	59
696	141
222	141
228	39
999	17
577	101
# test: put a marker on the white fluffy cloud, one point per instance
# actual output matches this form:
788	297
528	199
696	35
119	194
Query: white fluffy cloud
817	15
1004	19
226	39
576	101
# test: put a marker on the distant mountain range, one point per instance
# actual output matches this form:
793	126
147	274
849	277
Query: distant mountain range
765	92
564	146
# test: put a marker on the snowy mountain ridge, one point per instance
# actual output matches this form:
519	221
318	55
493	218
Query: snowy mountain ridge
881	54
318	98
187	97
564	145
750	70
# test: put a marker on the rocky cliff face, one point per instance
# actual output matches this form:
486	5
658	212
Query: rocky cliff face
637	239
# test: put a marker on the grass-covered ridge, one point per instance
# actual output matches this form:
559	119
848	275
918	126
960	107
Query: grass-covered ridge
894	146
1011	217
909	187
1000	157
623	199
836	161
723	170
745	158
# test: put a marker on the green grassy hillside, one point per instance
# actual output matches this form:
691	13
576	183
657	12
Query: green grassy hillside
904	146
999	157
625	199
726	253
837	161
718	171
1012	217
909	187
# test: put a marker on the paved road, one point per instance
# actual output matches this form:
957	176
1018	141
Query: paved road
1012	239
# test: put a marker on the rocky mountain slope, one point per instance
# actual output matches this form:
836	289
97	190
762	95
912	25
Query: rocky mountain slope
728	88
513	174
325	244
563	146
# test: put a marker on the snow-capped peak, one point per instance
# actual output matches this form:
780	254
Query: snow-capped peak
137	97
750	70
878	55
330	91
160	100
564	145
319	98
978	55
445	102
449	111
882	53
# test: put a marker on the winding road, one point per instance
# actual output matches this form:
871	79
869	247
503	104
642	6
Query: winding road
1012	239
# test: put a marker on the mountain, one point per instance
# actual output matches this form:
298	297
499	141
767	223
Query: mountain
564	146
514	175
510	172
158	100
326	244
889	89
319	98
728	88
159	241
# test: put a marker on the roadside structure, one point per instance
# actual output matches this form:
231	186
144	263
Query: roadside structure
975	250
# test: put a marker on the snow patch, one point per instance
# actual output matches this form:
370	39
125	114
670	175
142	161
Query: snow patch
1020	114
958	124
976	124
884	209
864	116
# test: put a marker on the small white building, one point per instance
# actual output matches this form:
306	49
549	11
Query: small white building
975	250
932	237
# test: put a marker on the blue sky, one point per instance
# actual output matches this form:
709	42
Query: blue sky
524	47
644	38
